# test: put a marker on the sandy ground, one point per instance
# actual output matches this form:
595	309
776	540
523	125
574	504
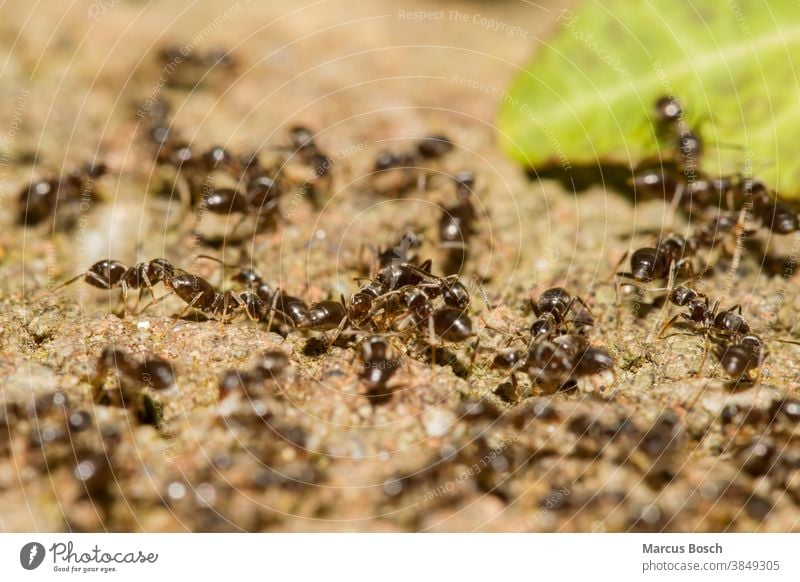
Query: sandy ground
650	447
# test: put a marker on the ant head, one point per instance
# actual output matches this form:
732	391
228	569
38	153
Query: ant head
465	183
681	295
667	109
456	295
387	161
216	157
301	137
434	146
543	325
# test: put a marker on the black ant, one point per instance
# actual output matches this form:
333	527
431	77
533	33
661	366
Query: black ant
557	361
552	308
303	146
186	70
261	302
271	365
456	226
199	294
669	116
397	172
110	274
38	200
739	360
773	215
727	324
379	365
260	200
153	373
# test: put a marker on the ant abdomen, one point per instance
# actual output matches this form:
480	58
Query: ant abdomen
324	316
105	274
452	325
648	263
226	201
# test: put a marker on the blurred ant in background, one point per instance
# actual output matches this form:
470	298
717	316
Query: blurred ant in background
39	200
394	173
456	225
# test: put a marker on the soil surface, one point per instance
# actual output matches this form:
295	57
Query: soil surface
657	443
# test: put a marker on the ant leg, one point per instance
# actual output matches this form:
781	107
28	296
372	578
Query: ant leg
738	249
148	284
474	356
189	306
124	299
272	308
673	270
236	226
337	333
614	272
432	341
675	202
155	302
667	325
705	356
481	291
71	281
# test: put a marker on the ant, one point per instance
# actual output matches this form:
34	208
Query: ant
379	365
271	365
452	291
110	274
739	360
39	200
456	223
397	172
261	199
450	324
185	70
318	164
669	117
552	308
556	361
261	302
199	294
773	215
726	324
153	373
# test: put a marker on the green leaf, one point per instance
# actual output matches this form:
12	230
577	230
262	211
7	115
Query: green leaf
587	97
